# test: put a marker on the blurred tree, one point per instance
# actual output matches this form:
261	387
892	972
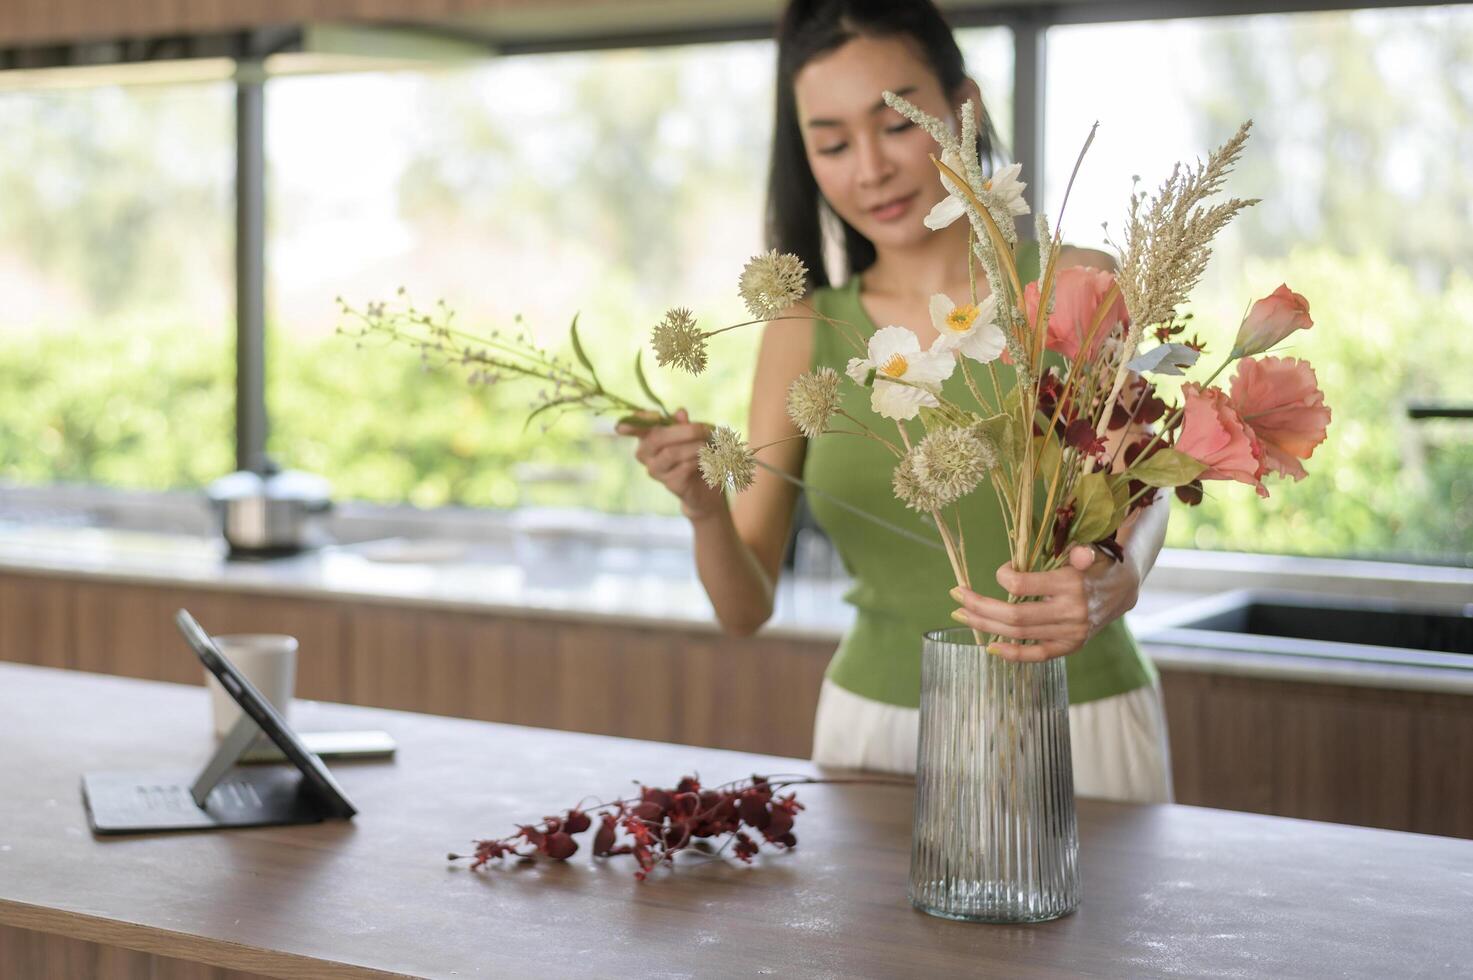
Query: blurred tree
1362	126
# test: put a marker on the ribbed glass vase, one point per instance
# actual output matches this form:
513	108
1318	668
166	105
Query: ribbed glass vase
995	838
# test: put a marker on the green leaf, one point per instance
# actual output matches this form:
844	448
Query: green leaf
1012	401
643	421
1120	490
583	356
1167	468
945	417
998	430
645	385
1050	455
1094	507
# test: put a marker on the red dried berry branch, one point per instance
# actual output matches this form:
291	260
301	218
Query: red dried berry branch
659	823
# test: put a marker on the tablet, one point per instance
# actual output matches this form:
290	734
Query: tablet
221	795
265	715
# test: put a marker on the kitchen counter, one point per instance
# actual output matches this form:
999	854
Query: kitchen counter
556	576
1168	890
644	577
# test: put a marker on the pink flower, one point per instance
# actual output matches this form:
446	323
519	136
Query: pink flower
1213	433
1271	319
1078	292
1279	398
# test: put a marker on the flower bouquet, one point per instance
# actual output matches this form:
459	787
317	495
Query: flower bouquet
1073	430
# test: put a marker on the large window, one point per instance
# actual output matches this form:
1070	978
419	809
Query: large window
1363	126
617	183
606	184
115	261
609	184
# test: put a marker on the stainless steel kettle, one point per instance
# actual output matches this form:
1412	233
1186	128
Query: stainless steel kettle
270	513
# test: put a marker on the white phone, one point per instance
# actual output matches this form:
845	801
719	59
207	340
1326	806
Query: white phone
330	745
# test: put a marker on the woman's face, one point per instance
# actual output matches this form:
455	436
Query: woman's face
872	164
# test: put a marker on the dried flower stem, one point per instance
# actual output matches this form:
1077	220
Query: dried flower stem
491	356
662	822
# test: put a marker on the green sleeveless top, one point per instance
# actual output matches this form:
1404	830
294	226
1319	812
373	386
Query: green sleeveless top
900	586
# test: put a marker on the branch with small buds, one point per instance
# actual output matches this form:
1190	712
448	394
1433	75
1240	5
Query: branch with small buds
497	357
653	827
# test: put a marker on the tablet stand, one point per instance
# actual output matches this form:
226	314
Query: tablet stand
226	756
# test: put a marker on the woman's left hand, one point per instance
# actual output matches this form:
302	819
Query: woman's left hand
1076	602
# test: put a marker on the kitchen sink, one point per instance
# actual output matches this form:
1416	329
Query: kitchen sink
1330	627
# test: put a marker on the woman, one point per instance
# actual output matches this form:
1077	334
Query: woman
840	155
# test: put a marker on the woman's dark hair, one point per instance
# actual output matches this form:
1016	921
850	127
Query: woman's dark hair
810	28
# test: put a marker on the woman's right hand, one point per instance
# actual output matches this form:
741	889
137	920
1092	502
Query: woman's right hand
669	454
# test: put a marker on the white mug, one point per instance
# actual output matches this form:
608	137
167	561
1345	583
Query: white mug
268	660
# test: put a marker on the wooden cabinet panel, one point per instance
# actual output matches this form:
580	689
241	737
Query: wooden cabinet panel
1182	695
1239	729
667	685
1344	755
1402	760
1441	767
129	630
422	660
35	620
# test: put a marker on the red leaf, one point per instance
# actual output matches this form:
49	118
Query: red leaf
780	822
754	811
1081	435
603	841
560	846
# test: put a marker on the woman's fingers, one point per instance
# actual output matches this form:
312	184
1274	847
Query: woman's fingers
1082	558
684	476
1030	653
672	456
665	468
1057	626
1014	631
1060	581
675	434
1057	609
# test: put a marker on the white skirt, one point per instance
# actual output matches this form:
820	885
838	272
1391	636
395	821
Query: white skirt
1119	743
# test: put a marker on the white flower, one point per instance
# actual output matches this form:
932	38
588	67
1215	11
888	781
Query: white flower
1165	359
1008	189
947	210
905	377
952	206
1003	192
967	328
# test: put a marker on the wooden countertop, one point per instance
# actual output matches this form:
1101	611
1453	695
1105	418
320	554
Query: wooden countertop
1168	890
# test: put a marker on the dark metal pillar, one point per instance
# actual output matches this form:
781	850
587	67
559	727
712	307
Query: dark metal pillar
250	265
1029	70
